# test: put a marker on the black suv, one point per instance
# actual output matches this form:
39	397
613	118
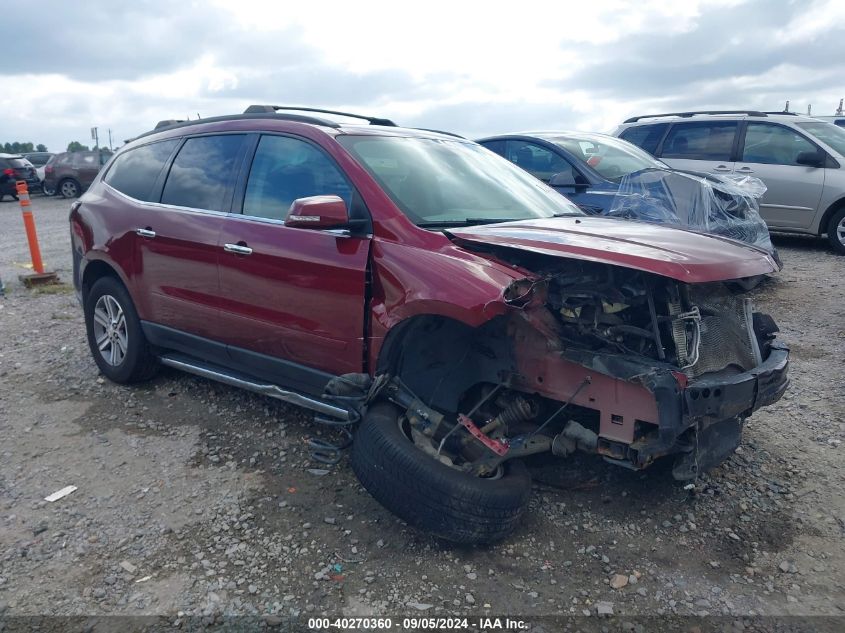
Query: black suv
14	167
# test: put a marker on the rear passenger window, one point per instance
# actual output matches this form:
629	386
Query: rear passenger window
203	173
135	172
285	169
645	136
538	161
705	140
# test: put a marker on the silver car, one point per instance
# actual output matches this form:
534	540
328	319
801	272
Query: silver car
800	159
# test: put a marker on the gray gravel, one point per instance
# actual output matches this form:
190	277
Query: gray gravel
195	499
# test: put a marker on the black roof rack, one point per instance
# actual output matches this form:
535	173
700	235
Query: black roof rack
782	112
168	123
634	119
255	109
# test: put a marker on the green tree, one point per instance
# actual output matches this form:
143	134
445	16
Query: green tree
76	146
41	147
17	147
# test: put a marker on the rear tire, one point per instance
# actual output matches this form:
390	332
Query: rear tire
115	337
836	231
47	190
69	188
432	496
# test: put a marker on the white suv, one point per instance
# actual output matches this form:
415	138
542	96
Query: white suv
801	160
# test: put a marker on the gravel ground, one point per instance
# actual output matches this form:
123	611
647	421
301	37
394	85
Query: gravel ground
195	499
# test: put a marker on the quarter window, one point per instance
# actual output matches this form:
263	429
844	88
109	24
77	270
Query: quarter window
773	145
135	172
203	173
711	140
285	169
645	136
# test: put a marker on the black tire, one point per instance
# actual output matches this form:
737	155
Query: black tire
47	190
138	361
432	496
69	188
836	231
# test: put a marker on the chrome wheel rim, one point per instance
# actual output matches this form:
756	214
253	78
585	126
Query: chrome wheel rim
840	231
110	333
68	189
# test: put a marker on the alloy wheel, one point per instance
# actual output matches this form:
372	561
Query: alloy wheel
840	231
110	330
69	189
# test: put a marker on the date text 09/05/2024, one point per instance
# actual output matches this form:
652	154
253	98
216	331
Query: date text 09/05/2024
416	624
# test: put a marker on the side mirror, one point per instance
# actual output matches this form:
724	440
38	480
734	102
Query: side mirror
562	179
318	212
811	159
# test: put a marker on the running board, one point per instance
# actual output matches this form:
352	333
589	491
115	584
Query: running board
233	379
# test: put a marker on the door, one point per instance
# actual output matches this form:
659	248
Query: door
293	300
793	191
87	166
705	146
175	240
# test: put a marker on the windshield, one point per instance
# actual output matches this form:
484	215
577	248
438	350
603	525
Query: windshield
828	134
613	158
438	182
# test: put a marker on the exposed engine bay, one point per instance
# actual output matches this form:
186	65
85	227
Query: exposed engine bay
698	329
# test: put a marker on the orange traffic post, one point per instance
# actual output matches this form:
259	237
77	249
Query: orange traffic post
32	237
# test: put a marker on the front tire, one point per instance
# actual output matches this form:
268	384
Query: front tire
47	190
115	337
836	231
432	496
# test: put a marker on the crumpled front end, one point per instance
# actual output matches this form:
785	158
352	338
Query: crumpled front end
672	367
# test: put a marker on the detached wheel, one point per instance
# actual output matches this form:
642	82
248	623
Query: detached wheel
69	188
114	333
836	231
431	495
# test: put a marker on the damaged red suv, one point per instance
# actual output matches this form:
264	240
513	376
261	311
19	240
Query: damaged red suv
424	294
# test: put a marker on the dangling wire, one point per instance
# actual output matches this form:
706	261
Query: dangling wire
328	452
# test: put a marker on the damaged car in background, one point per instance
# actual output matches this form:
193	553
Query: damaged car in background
429	300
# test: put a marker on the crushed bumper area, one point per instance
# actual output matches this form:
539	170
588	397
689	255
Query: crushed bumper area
741	394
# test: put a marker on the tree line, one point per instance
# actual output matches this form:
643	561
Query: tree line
24	148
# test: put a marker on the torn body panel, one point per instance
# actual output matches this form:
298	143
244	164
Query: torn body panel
645	363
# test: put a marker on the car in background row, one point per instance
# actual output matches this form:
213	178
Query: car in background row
426	293
836	120
609	176
39	160
71	173
14	167
800	159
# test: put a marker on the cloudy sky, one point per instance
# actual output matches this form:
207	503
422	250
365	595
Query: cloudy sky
470	67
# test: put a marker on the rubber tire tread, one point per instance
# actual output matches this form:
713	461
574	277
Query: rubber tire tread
834	221
140	362
432	496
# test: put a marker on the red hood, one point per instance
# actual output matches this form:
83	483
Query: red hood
683	255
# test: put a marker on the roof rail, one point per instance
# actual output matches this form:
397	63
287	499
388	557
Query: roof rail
427	129
255	109
634	119
782	112
167	123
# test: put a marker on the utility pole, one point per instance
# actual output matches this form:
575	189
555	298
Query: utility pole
95	138
110	147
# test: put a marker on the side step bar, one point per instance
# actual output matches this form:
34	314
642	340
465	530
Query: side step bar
233	379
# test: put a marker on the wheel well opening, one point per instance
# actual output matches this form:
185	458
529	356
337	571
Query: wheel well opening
96	270
831	210
440	358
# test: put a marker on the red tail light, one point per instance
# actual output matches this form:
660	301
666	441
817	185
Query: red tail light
48	169
8	172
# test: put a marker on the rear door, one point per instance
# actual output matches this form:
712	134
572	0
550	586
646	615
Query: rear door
175	220
87	165
706	146
769	152
293	300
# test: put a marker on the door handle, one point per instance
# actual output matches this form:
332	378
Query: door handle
746	170
145	233
237	249
721	168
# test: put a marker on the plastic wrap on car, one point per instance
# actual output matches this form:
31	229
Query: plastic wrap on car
722	205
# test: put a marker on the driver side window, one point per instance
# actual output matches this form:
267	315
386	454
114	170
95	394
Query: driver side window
536	160
285	169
